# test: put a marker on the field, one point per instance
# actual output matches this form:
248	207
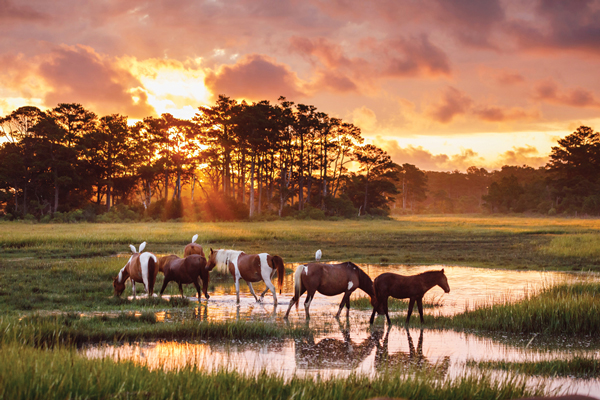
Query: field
51	275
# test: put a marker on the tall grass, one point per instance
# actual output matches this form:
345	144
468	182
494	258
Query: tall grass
71	329
578	366
570	309
27	373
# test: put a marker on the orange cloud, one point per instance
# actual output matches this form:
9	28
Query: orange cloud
255	77
526	155
578	97
453	103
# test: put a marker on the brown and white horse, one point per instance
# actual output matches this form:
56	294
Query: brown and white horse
330	280
249	267
141	268
184	271
193	248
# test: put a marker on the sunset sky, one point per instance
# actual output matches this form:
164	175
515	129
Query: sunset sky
442	84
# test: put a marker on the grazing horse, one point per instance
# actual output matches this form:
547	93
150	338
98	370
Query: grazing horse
330	280
193	248
249	267
185	270
411	287
141	268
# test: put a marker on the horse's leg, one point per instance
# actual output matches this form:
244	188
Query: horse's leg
344	300
198	290
237	289
309	298
292	302
164	286
133	288
267	279
411	304
386	310
420	307
373	316
252	291
180	289
204	288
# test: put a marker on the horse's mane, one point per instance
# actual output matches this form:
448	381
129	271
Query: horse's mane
365	281
224	257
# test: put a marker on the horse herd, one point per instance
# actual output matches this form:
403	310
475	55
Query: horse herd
327	279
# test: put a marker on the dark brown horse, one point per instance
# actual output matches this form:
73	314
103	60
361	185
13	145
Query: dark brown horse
141	268
330	280
184	271
249	267
411	287
193	248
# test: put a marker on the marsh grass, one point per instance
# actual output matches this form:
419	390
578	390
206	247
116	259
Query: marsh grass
570	309
60	373
364	303
579	367
72	329
502	242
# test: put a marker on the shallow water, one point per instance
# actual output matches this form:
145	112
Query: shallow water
347	346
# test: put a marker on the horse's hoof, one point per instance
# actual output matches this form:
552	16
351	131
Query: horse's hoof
207	297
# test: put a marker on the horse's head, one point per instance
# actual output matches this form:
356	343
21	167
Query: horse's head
443	282
212	260
118	286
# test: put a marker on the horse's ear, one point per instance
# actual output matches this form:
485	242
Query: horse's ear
442	271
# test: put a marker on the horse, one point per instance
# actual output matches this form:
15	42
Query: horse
193	248
411	287
141	268
330	280
250	267
184	271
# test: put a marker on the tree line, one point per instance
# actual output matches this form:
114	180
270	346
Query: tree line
236	160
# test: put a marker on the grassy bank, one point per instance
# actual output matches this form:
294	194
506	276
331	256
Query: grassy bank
72	329
566	309
28	373
579	367
502	242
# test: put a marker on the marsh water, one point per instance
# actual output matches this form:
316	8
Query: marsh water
345	346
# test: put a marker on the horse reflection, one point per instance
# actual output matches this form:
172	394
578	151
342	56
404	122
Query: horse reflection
413	359
334	353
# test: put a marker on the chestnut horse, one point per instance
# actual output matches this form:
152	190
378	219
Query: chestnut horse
411	287
330	280
249	267
184	271
193	248
141	268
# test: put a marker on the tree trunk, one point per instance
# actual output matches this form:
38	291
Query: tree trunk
252	187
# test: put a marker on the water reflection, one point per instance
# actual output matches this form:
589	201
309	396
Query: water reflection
411	359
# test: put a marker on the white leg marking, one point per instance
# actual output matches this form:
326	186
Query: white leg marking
133	287
265	273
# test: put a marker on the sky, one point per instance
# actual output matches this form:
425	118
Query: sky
441	84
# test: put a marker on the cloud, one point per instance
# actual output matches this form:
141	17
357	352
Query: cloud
255	77
415	56
364	118
526	155
77	74
502	114
426	160
550	92
15	13
453	103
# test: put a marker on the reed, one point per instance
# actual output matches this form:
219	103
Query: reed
72	329
583	367
60	373
571	309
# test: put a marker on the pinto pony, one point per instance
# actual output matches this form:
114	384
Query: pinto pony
249	267
411	287
193	248
141	268
329	279
184	271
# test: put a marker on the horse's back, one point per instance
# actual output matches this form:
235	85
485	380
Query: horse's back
193	248
328	279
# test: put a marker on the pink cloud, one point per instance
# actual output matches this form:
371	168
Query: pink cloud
550	92
453	103
255	77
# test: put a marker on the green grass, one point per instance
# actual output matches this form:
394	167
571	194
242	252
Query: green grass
72	329
364	303
499	242
569	309
28	373
579	367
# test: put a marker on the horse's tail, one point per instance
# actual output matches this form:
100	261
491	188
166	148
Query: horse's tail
152	272
278	264
298	283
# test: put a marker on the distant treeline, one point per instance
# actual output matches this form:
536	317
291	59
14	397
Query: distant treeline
261	160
